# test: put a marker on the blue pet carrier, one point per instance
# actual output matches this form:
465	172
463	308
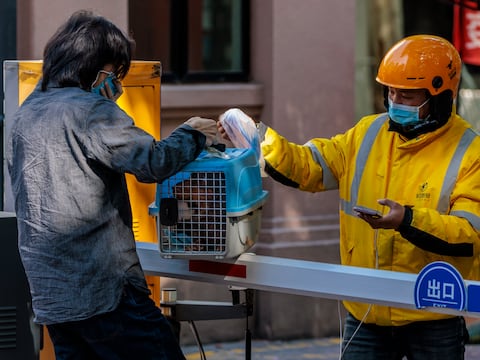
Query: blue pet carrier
212	207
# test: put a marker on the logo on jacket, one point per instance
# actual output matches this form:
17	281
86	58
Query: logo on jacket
422	191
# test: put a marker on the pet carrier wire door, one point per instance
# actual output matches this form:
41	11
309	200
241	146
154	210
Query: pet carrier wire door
212	208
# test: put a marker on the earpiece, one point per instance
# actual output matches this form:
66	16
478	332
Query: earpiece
437	82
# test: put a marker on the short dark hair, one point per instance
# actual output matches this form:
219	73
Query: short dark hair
81	47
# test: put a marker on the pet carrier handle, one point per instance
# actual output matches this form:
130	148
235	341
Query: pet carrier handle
219	147
217	150
168	211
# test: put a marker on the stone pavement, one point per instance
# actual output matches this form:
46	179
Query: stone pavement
324	349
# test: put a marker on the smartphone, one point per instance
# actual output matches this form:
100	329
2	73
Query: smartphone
367	211
109	79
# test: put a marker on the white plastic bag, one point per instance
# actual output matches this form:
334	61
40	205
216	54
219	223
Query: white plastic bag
241	130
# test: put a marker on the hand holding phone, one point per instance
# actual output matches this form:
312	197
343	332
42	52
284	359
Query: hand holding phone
368	212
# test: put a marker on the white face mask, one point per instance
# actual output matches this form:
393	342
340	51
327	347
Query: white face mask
405	115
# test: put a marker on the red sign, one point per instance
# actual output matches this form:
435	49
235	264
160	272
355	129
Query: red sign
217	268
466	31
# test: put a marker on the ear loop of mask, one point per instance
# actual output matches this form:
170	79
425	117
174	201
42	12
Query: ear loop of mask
98	75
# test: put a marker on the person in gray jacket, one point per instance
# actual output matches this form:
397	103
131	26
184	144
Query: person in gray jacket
68	152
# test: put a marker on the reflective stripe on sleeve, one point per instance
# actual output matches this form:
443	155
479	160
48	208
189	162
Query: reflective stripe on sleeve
473	219
329	180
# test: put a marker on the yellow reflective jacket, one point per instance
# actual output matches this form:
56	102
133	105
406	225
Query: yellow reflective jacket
436	174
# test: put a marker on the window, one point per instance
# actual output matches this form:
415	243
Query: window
196	40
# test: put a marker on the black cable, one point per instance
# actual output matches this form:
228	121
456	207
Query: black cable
197	339
248	341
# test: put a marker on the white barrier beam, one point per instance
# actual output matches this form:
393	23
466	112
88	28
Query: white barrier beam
297	277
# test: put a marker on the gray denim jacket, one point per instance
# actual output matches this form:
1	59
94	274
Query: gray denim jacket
67	155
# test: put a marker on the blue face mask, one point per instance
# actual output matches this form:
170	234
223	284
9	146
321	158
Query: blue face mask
404	115
109	79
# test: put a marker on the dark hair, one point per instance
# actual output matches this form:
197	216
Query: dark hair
81	47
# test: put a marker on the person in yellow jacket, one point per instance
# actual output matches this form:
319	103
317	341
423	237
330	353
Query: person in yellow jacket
418	166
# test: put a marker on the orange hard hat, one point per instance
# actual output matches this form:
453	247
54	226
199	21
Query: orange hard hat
422	62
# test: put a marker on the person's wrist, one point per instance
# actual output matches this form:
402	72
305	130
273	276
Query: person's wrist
407	219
